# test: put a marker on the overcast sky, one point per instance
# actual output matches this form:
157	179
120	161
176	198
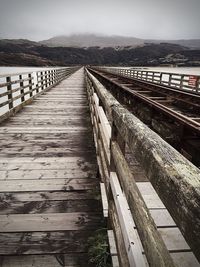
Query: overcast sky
157	19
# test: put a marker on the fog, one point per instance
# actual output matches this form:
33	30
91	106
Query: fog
148	19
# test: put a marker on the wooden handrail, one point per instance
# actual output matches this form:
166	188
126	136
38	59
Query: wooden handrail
36	84
175	179
174	80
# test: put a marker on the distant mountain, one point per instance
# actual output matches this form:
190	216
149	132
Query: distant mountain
20	42
92	40
190	43
27	53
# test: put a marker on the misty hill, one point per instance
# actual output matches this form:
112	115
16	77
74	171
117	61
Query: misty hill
19	42
92	40
191	43
27	53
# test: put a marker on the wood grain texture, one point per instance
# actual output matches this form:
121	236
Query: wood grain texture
49	190
166	171
57	260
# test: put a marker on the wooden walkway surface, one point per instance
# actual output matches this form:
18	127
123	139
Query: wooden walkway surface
49	187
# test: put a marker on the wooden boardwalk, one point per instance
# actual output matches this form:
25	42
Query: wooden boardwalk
49	185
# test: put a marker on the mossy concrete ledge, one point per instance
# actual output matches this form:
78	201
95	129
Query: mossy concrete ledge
176	180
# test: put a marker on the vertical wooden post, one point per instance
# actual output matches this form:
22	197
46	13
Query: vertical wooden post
30	84
55	76
49	78
115	136
41	80
170	79
9	89
153	76
22	88
52	77
37	85
161	76
181	81
46	79
197	84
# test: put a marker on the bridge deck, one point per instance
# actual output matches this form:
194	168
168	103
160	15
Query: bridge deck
49	186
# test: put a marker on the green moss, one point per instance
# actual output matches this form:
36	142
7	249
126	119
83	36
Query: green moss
98	250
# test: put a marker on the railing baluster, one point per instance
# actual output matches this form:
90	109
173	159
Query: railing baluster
22	88
41	80
9	89
30	84
37	82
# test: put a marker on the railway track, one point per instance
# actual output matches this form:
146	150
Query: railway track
172	113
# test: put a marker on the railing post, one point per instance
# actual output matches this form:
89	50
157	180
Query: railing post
22	88
9	89
153	76
46	79
170	79
52	77
181	82
116	137
41	80
197	84
56	76
30	84
49	77
37	85
161	75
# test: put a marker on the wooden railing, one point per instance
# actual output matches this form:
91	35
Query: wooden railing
173	80
175	179
18	89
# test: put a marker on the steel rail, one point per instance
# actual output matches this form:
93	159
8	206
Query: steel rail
183	119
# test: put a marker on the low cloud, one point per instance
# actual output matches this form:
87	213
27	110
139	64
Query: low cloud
156	19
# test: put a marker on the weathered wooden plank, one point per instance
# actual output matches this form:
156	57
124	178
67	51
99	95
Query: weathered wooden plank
29	261
185	259
38	108
85	143
47	174
32	146
50	222
123	258
48	185
52	121
44	242
173	239
46	160
155	249
174	178
162	218
59	165
113	249
57	129
57	260
126	222
49	195
104	200
45	118
48	206
55	138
